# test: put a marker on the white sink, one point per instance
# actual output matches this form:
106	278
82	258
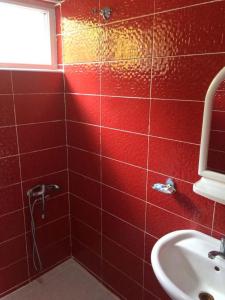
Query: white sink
181	264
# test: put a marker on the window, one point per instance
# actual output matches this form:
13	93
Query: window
27	35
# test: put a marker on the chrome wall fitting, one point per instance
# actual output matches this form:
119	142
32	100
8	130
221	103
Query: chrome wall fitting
105	12
168	188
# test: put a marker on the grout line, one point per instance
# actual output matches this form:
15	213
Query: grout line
213	218
20	175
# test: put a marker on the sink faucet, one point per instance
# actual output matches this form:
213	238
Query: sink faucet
221	253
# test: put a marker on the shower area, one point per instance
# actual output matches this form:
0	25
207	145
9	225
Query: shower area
82	143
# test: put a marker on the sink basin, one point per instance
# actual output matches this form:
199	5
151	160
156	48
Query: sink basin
181	264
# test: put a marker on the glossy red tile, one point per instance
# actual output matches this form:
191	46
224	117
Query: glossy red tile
86	235
127	9
124	206
126	78
10	172
177	159
6	110
219	223
84	163
85	188
59	178
124	177
84	136
124	113
149	244
8	141
122	260
53	160
157	228
39	108
118	281
149	296
124	146
86	257
83	108
40	136
217	140
189	30
124	234
218	120
171	119
185	77
184	202
37	82
218	102
14	223
12	251
127	40
165	5
11	199
5	79
216	161
85	212
13	275
83	78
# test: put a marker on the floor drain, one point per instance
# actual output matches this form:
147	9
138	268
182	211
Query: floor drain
205	296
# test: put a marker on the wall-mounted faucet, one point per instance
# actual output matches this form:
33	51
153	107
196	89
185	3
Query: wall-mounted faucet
105	12
213	254
168	188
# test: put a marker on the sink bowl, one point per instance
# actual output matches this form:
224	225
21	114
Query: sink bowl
181	264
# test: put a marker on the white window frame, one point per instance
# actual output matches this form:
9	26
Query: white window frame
50	7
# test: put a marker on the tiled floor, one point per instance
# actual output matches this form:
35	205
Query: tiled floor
68	281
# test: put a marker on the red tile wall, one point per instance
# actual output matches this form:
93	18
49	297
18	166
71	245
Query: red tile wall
32	151
135	89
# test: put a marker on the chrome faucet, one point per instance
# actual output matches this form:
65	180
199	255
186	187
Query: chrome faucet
213	254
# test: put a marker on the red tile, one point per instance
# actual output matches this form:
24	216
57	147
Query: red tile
84	136
149	244
10	172
219	100
186	77
50	234
85	212
179	120
76	14
127	78
53	160
217	140
40	136
127	40
124	234
11	225
184	202
83	108
39	108
85	188
127	9
6	85
11	199
165	5
157	226
125	286
128	147
8	141
83	78
188	31
13	275
152	284
84	163
219	219
55	208
149	296
124	177
218	120
216	161
124	206
59	178
123	260
6	110
127	114
8	255
86	257
86	235
177	159
37	82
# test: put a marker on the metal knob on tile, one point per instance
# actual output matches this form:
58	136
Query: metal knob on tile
167	188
